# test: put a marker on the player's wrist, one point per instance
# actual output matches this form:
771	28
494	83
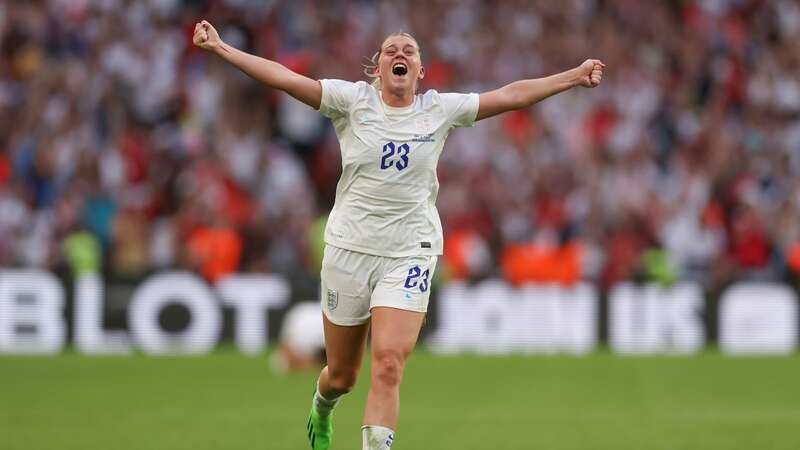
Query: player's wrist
574	77
218	48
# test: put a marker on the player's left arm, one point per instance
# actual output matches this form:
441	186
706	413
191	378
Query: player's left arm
524	93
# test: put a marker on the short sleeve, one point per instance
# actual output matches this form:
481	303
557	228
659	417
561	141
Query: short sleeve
461	109
337	97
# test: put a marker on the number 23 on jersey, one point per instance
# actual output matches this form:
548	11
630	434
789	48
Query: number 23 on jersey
395	156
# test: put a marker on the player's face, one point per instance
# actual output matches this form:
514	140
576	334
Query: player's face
400	65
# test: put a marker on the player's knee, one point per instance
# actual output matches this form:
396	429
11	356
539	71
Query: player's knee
342	380
388	367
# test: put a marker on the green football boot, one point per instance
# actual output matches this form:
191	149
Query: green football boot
320	430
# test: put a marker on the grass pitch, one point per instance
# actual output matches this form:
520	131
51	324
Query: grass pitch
233	402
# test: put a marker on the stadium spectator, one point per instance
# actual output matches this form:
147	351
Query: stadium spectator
111	123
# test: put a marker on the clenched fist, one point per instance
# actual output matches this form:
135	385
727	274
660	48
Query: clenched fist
206	37
590	73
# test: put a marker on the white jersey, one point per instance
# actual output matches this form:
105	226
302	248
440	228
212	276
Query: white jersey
386	196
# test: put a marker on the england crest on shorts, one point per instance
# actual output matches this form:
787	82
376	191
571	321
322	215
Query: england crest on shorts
333	299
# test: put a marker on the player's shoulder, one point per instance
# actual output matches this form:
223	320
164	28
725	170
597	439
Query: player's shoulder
444	100
364	90
363	85
352	86
431	97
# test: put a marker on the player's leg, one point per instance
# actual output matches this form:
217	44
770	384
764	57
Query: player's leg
345	302
394	335
344	346
398	305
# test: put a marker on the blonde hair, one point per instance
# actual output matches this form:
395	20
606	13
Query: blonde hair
372	63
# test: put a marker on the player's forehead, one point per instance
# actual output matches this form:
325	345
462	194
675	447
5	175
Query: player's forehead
399	42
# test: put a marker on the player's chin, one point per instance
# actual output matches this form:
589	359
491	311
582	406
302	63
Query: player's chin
400	82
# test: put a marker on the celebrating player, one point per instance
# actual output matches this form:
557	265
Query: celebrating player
383	234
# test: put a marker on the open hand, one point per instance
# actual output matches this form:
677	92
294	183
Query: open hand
206	37
590	73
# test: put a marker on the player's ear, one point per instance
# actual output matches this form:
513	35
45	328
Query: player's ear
421	72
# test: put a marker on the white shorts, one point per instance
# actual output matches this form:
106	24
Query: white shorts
353	283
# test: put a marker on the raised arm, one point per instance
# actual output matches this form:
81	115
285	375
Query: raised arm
524	93
268	72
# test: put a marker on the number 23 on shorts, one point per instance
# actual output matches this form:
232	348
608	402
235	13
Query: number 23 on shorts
416	277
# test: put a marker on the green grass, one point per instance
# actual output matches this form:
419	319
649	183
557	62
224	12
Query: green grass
228	401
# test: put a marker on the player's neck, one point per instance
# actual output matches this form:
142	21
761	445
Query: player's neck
397	99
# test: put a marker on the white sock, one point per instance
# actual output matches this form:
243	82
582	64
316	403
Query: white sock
322	405
377	437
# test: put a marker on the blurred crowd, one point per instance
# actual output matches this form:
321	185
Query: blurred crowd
125	150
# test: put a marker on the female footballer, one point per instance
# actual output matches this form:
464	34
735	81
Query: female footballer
383	235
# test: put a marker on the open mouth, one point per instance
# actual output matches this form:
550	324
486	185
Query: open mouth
399	69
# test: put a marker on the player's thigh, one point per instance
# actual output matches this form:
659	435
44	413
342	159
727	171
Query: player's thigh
344	345
398	306
394	332
405	284
345	296
345	287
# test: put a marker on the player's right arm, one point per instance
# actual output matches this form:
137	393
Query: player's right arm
272	74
